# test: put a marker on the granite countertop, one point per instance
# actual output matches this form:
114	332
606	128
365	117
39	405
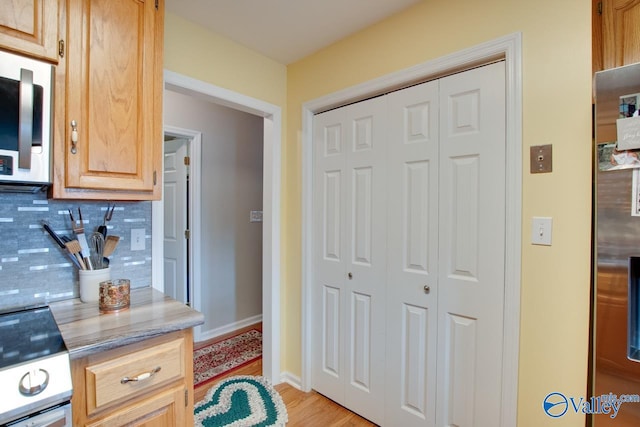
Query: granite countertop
86	331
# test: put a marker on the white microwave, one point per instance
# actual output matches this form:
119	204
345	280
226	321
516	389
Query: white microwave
26	111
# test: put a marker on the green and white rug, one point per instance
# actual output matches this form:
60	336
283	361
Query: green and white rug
241	401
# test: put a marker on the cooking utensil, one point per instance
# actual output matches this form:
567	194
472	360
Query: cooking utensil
53	234
96	245
107	217
74	248
110	245
78	229
60	241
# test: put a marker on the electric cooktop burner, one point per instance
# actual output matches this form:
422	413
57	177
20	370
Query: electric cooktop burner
28	335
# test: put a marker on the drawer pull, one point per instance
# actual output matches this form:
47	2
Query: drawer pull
141	377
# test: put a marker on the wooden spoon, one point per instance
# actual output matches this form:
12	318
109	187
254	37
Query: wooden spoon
74	248
110	245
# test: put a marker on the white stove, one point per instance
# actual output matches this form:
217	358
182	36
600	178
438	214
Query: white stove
35	373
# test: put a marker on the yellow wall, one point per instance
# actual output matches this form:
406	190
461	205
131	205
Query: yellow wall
556	110
193	51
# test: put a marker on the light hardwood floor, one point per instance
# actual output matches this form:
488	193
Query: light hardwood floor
304	409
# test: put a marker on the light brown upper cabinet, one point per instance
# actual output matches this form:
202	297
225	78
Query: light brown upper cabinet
616	33
30	27
108	132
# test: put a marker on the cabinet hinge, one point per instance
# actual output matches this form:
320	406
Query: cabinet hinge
186	397
157	5
155	177
61	48
599	8
187	160
187	234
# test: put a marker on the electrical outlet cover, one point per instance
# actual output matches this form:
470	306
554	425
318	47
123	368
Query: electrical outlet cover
541	158
137	239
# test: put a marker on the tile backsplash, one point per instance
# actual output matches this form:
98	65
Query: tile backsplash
35	270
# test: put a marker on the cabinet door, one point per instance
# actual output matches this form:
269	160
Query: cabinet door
162	410
113	98
30	27
621	32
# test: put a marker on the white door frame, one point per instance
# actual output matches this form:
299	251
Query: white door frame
271	217
195	172
508	48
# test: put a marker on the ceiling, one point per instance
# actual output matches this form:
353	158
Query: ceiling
286	30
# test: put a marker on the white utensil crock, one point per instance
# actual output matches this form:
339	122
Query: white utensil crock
90	283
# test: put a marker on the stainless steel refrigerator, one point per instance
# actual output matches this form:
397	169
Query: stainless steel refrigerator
615	345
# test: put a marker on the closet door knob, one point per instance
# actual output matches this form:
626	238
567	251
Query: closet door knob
427	289
350	275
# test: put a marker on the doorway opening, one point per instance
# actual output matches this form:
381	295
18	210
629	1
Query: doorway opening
181	216
271	123
176	191
178	280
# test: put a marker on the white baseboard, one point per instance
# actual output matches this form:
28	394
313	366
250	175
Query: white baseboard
292	380
214	333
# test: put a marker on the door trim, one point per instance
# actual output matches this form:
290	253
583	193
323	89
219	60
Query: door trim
509	49
271	187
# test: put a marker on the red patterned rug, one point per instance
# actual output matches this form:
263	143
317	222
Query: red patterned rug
218	358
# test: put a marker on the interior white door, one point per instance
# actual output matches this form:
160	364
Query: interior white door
412	278
175	219
471	250
350	256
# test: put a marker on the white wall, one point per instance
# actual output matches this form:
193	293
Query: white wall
231	255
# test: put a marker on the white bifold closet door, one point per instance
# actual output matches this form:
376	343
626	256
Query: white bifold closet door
412	277
350	256
471	258
409	295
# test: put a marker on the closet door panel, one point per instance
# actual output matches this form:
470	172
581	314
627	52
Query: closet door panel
471	251
367	251
350	256
328	367
412	261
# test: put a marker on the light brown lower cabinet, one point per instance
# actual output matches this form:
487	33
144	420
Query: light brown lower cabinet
148	383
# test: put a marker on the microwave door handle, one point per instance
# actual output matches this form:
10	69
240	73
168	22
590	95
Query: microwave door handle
25	136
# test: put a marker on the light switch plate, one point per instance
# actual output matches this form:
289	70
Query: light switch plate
541	231
137	239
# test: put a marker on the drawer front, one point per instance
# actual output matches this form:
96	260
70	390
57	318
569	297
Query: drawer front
165	409
131	375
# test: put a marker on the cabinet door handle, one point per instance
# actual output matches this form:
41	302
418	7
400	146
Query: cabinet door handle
74	136
141	377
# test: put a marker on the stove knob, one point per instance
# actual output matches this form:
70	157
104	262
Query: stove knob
34	382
